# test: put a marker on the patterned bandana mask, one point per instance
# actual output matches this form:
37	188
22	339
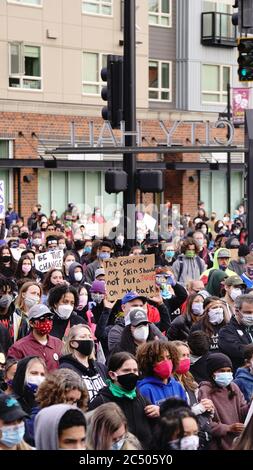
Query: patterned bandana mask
43	327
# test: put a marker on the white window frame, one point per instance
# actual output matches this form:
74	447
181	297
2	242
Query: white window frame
100	84
100	4
10	156
160	14
219	92
25	3
159	89
21	75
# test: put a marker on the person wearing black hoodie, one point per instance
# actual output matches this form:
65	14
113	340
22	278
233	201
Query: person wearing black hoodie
76	276
79	355
123	373
29	375
62	300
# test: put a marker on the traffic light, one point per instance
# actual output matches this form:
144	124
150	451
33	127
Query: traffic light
245	59
113	91
235	16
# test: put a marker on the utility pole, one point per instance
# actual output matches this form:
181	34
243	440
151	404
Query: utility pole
228	153
129	109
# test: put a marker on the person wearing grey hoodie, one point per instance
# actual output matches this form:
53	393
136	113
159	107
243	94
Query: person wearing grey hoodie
60	427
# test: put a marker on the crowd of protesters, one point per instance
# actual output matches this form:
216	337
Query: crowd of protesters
79	370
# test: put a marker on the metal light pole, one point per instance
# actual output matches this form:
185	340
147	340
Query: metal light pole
228	153
129	87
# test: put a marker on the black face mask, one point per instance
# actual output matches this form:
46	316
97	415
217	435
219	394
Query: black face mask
128	381
5	259
85	347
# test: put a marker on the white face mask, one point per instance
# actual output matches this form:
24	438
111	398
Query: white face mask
31	300
35	379
216	315
141	333
235	293
62	246
197	308
78	276
37	241
247	320
64	311
189	443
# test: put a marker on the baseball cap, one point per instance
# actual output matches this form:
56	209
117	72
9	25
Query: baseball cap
10	409
224	253
233	281
132	295
38	311
137	316
99	272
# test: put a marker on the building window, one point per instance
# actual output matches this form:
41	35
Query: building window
160	12
92	65
25	67
97	7
27	2
159	80
214	83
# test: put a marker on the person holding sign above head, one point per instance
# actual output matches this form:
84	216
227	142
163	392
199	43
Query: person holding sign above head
62	300
39	342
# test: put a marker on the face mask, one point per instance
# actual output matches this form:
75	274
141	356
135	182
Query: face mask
222	268
43	327
24	235
189	443
31	300
250	272
85	347
216	315
78	276
197	308
247	320
83	300
169	253
190	253
87	249
225	219
33	382
141	333
37	241
128	381
235	293
26	268
104	256
139	237
5	259
118	445
68	264
12	435
204	230
163	369
64	311
5	301
223	379
184	366
97	298
62	246
200	243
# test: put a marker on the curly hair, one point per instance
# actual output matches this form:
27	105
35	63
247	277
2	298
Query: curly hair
148	354
57	384
47	284
189	241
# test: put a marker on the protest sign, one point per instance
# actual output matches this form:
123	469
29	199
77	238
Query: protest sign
130	273
48	260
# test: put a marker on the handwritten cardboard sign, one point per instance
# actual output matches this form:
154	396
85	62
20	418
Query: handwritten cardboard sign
48	260
130	273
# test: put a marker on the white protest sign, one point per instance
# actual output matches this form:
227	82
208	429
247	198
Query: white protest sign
2	199
91	230
249	414
48	260
150	222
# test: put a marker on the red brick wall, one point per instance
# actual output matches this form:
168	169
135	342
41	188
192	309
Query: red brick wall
20	127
